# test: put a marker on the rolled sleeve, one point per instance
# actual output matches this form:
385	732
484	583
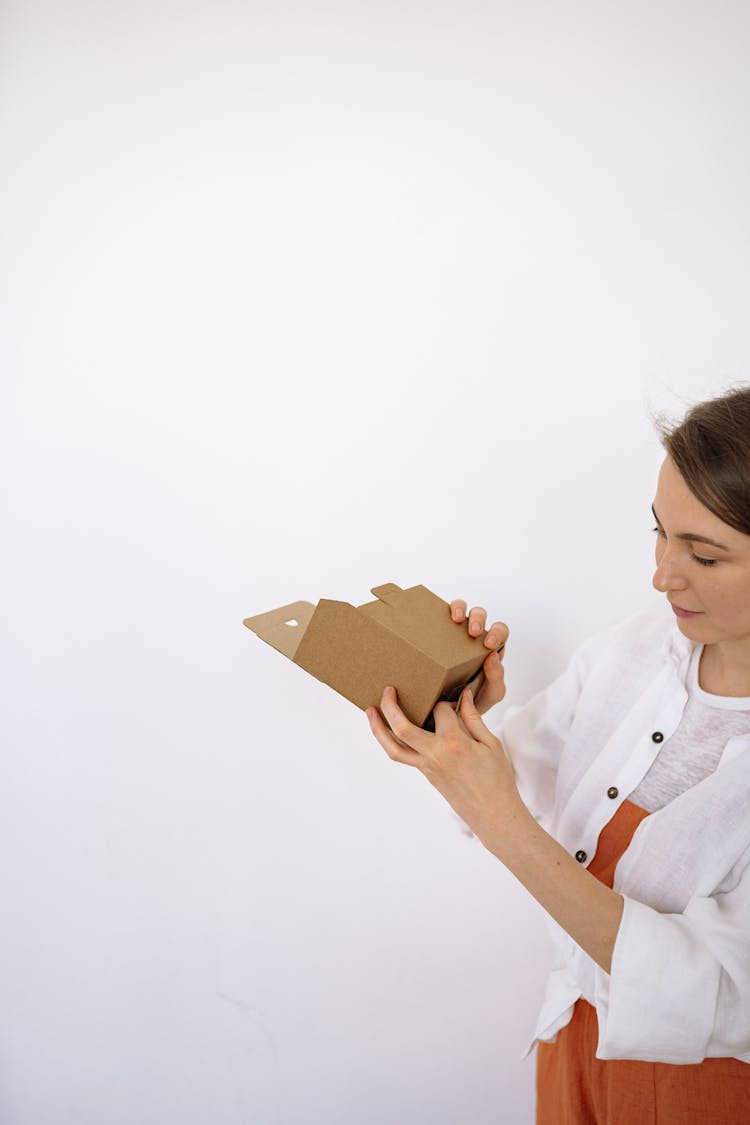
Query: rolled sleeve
678	987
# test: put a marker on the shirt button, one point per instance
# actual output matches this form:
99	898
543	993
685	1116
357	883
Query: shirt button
613	792
657	736
581	856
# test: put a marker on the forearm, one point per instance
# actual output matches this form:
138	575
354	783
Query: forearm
587	909
466	762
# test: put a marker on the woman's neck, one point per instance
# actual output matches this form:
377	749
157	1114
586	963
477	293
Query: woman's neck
725	669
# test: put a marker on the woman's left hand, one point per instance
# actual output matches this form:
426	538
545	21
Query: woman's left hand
462	759
468	765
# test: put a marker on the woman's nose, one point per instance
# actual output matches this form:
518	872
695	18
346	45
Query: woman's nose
668	574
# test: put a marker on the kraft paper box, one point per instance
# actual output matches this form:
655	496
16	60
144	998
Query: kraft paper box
406	638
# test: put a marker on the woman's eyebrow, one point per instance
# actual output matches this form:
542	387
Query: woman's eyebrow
690	537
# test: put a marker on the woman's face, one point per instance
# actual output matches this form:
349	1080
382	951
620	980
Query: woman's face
702	565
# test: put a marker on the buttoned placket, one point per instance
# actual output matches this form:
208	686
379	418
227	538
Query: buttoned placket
633	766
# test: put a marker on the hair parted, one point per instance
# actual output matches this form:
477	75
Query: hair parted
710	449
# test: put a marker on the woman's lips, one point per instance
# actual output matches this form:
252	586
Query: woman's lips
684	612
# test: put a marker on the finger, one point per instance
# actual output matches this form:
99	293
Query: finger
445	716
395	750
497	635
477	618
492	690
458	609
405	731
447	720
474	722
494	670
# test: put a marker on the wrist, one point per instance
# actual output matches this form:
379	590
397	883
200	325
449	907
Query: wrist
508	829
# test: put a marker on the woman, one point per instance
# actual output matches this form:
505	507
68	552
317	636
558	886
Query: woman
640	750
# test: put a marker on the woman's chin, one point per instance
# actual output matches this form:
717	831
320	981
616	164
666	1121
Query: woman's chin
694	628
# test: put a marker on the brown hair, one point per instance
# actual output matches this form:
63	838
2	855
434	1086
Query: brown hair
710	449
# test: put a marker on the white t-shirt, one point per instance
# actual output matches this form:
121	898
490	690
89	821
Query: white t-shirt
694	750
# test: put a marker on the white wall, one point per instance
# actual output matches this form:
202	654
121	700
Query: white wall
299	298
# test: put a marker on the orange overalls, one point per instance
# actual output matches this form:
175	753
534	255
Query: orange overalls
576	1088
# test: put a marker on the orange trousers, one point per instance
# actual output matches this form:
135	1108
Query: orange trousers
576	1088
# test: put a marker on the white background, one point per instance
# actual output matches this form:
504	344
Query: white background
298	299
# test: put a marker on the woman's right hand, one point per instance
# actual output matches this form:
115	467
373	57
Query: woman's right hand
493	689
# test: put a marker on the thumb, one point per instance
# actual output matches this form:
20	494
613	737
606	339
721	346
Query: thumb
473	721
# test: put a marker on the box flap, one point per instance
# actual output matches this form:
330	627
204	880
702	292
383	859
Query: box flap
423	619
357	656
282	628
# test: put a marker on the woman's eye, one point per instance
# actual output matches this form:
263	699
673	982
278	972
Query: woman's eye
696	558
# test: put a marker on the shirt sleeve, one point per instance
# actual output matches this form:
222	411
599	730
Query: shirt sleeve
679	989
534	735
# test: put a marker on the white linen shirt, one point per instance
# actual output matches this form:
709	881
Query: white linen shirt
679	986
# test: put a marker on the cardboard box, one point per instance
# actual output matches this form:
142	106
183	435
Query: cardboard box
406	638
